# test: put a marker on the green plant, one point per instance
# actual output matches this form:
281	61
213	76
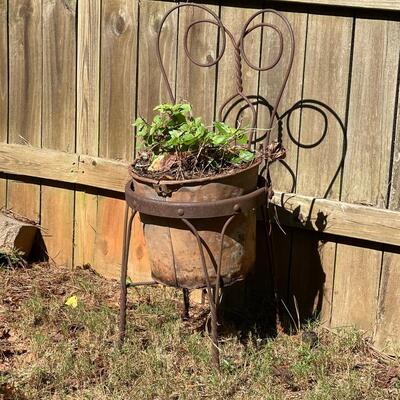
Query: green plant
11	258
177	140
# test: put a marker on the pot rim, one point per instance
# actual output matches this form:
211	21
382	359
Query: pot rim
211	178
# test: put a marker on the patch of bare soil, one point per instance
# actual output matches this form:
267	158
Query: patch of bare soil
49	350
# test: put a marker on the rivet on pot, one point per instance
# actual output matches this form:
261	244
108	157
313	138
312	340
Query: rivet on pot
236	207
180	212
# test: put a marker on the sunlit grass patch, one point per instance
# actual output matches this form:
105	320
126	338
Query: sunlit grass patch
59	351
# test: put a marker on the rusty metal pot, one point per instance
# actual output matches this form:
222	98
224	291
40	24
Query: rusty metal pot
173	249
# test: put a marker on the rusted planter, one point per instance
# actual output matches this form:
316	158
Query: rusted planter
173	249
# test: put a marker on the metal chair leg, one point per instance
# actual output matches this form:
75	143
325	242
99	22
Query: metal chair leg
124	272
214	317
186	304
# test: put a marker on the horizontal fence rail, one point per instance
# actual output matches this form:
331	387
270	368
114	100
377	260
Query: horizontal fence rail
296	211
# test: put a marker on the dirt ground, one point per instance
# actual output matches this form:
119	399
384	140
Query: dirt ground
51	350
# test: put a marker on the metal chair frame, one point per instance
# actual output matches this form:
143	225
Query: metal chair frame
228	208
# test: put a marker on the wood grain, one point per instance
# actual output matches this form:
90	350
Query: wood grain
151	87
338	218
386	336
3	90
322	141
356	287
58	119
88	99
65	167
377	4
366	174
193	80
110	78
117	112
283	174
22	160
293	210
226	68
25	103
324	108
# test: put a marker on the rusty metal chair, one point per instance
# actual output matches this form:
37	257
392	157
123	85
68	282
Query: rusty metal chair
228	208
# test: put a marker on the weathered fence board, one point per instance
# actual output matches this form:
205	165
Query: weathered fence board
366	170
117	111
151	89
283	172
379	4
87	114
321	141
25	103
193	80
3	90
226	76
58	122
74	75
388	321
293	210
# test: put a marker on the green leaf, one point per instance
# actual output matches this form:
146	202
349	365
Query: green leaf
223	128
242	139
171	143
219	140
246	155
185	108
175	133
236	160
178	118
188	138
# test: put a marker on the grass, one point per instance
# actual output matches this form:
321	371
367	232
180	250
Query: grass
51	351
11	257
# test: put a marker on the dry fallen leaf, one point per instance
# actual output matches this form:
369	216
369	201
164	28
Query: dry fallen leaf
72	302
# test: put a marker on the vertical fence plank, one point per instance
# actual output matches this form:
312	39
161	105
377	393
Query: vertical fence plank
321	142
151	91
283	177
197	84
87	137
58	119
117	112
25	100
388	321
283	174
367	165
227	80
151	87
388	324
3	90
238	297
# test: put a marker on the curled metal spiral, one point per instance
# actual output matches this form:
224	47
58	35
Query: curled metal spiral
239	57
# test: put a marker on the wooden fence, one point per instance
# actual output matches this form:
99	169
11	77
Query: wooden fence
75	74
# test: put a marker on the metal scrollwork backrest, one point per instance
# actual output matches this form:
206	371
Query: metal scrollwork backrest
240	56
